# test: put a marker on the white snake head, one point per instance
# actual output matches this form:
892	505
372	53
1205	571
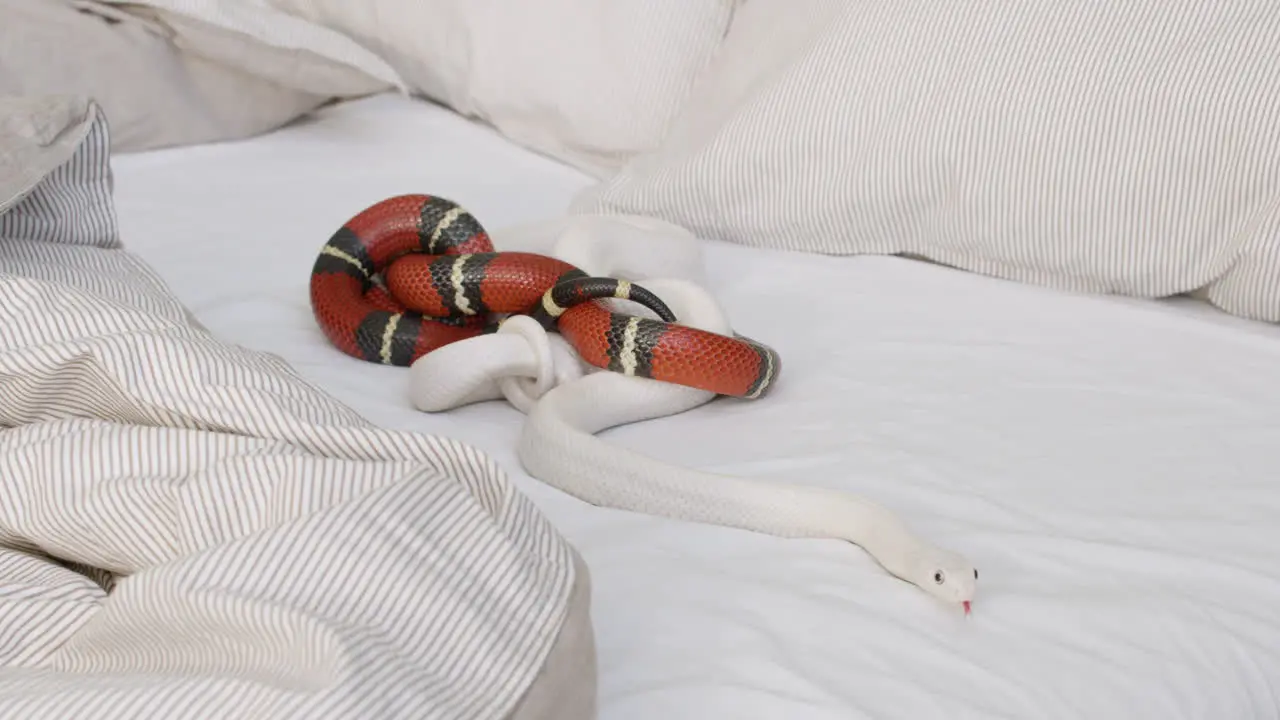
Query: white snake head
946	576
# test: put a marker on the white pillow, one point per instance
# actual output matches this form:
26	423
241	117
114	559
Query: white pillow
1121	147
588	82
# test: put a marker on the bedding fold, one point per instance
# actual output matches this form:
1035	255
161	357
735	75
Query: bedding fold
188	528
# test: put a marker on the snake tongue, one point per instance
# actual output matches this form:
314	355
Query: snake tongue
966	608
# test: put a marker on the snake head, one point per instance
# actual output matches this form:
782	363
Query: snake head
946	576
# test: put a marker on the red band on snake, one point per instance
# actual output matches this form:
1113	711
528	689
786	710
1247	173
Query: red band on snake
413	273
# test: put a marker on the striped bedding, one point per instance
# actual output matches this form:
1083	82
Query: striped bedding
188	529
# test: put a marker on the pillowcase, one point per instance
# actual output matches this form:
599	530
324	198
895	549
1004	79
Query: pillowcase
55	181
587	82
153	93
1129	148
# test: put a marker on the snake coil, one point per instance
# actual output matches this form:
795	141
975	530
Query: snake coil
413	273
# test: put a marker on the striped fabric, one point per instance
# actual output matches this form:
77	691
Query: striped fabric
589	83
188	529
66	196
1122	147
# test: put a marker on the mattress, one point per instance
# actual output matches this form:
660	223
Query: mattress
1111	465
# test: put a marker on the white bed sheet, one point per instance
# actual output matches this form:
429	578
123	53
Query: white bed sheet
1112	466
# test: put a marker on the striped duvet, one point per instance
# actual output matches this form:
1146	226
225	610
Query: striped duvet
188	529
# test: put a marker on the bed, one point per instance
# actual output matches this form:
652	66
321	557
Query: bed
1107	459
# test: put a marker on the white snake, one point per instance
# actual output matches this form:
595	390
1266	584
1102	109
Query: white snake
567	402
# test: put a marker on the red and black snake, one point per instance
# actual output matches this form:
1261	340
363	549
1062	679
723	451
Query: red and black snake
413	273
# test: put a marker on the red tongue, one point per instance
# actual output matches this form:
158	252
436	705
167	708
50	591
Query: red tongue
966	607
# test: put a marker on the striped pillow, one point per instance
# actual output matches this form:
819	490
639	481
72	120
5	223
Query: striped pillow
1129	148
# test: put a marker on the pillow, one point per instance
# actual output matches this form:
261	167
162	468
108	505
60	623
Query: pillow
55	182
154	94
1125	147
587	82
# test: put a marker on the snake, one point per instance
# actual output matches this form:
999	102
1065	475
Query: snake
413	273
414	280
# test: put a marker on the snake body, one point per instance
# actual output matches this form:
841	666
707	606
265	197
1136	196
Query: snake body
413	273
406	279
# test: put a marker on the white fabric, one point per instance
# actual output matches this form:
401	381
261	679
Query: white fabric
1108	463
190	529
587	82
253	36
1123	147
154	94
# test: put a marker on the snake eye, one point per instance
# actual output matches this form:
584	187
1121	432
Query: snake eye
939	578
